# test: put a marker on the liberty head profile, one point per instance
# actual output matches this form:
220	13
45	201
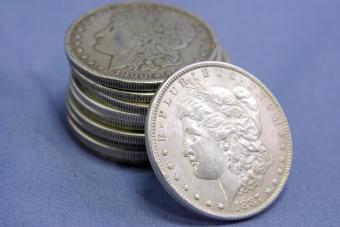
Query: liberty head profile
143	41
221	130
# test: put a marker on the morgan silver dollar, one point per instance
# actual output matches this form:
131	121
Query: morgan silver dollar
136	46
218	141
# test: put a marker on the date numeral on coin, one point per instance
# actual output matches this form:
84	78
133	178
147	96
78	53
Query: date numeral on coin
247	203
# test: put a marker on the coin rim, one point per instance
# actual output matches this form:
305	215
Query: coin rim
110	111
77	63
134	108
95	115
157	164
127	96
104	131
104	150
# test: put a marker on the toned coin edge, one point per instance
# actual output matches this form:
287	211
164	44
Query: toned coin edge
96	115
114	144
103	109
128	84
104	131
134	108
158	167
127	96
106	151
131	107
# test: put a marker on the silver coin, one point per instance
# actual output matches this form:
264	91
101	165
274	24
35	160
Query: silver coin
102	130
215	54
220	55
110	112
219	141
96	114
137	108
106	151
136	46
109	142
128	96
223	56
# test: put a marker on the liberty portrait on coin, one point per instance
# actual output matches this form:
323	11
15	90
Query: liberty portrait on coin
221	129
146	40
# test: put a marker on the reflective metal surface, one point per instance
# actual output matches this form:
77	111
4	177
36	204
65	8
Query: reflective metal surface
219	141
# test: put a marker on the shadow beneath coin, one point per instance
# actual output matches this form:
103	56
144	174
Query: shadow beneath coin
161	204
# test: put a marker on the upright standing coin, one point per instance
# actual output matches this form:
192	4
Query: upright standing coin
136	46
219	141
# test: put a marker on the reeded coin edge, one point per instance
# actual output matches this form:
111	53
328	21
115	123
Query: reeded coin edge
153	153
106	151
75	61
96	115
134	108
109	110
104	131
127	96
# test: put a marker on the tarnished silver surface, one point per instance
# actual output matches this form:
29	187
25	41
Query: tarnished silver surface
102	130
134	102
99	116
137	108
136	46
219	141
106	151
223	56
128	96
110	112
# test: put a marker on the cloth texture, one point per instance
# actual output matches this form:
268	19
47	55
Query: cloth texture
48	179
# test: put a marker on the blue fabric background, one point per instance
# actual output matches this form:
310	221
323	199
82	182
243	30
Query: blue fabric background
47	178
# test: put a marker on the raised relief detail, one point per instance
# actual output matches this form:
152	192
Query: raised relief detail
148	42
221	130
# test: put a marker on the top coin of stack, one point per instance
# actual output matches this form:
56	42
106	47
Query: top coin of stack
119	55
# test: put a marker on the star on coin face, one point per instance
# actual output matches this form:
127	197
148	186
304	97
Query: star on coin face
223	131
220	206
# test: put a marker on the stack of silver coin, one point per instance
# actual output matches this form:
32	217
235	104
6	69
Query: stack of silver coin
119	55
